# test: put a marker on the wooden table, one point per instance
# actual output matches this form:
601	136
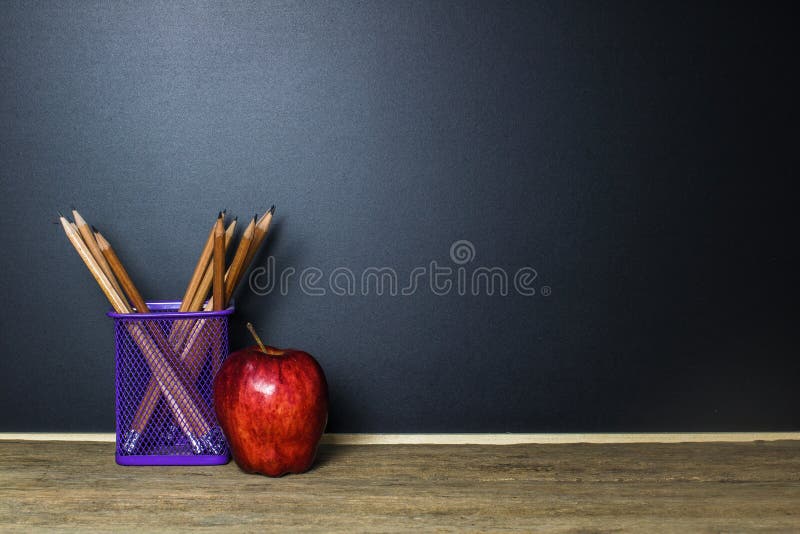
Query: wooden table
642	487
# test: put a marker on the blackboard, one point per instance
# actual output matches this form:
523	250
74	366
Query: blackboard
616	173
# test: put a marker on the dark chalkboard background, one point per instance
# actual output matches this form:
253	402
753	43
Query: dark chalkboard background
636	155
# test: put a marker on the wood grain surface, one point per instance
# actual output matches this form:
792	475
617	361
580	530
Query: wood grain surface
573	487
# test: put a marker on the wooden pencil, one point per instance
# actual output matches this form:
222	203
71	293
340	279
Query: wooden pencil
85	254
188	353
199	269
219	265
238	263
158	336
172	388
141	306
260	233
122	275
205	284
89	240
180	328
189	357
194	283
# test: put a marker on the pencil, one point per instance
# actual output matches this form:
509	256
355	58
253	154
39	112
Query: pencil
238	263
262	227
102	280
219	265
190	357
174	390
88	239
199	269
158	336
188	354
180	328
122	275
138	301
205	284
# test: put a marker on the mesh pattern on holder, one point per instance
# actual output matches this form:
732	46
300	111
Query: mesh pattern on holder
165	366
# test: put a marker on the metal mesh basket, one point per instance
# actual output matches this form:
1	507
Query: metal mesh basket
165	366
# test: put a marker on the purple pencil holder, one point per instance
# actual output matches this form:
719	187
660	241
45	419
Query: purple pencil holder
165	366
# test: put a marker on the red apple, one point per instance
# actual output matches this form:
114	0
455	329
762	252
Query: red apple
272	405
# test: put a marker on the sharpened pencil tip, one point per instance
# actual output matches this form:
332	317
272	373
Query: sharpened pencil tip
220	215
272	209
236	218
95	230
60	214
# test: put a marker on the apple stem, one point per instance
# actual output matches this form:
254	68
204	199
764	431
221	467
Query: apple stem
255	336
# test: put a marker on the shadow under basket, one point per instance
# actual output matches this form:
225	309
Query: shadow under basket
165	366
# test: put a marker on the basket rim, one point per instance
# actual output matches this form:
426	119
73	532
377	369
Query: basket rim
167	309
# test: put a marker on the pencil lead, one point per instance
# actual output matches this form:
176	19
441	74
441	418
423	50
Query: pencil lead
236	218
95	230
219	216
272	209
